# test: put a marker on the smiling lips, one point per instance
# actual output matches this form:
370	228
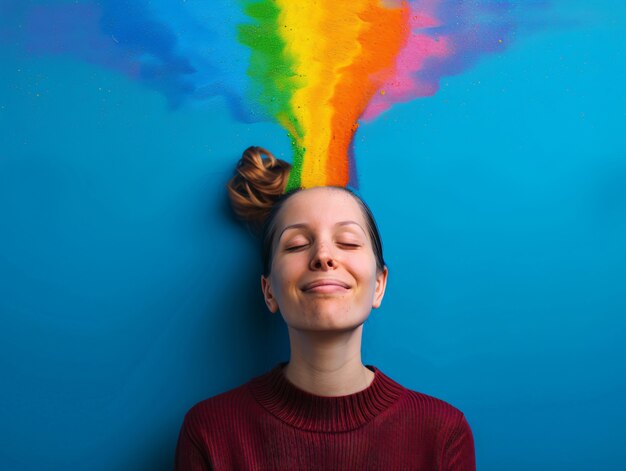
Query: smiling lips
326	286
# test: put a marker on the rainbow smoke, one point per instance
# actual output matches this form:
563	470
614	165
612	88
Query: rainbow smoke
317	68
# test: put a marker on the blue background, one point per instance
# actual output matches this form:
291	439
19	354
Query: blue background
128	292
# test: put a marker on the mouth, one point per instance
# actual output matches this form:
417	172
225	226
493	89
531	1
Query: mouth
326	286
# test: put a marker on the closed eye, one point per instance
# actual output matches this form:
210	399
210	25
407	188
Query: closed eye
297	247
291	249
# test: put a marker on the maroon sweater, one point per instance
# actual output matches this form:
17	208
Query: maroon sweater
269	423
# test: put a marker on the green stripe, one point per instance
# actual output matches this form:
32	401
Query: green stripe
272	71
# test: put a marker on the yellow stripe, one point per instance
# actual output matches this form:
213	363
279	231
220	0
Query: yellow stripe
322	37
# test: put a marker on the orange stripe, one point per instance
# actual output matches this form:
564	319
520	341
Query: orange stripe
387	33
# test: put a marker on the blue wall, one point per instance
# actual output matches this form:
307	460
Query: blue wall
128	292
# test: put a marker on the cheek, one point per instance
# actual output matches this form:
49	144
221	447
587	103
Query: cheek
371	270
287	272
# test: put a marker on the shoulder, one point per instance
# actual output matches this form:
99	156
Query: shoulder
205	428
420	408
432	408
451	433
217	411
225	399
445	423
432	415
443	434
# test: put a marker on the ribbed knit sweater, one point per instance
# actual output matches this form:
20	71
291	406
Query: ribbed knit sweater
269	423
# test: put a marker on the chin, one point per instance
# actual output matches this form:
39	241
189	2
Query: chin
328	320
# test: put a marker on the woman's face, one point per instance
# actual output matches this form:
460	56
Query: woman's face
321	237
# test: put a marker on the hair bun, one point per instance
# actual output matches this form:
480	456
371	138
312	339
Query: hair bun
257	184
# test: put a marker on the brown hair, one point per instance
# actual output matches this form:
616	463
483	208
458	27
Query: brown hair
257	184
257	192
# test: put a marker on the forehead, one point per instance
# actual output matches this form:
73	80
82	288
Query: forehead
320	205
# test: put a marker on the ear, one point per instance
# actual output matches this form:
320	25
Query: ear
270	300
381	284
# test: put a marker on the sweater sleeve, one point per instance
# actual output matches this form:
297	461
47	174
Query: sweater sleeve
458	453
189	455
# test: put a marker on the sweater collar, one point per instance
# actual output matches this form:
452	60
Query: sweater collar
311	412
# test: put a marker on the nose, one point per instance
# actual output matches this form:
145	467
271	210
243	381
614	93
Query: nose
323	258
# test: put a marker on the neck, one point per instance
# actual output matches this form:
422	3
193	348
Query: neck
327	363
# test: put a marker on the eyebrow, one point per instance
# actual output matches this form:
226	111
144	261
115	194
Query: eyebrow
304	225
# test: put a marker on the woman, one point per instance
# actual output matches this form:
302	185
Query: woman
323	269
